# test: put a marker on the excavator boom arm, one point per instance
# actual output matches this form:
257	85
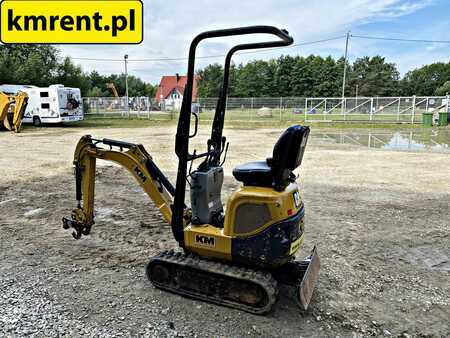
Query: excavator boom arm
132	157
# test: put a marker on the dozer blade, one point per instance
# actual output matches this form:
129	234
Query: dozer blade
305	290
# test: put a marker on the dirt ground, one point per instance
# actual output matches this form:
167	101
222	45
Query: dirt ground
380	220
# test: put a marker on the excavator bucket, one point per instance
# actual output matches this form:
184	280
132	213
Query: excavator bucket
12	121
7	124
305	290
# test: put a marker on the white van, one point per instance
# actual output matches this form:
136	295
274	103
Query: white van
54	104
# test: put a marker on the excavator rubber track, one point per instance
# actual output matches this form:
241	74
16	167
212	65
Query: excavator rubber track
188	275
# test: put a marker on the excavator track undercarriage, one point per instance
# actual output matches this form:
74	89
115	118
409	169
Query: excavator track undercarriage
191	276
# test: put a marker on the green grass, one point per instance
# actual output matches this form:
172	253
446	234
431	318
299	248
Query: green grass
93	122
143	123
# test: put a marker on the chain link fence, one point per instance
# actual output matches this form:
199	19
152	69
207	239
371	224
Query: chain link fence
283	109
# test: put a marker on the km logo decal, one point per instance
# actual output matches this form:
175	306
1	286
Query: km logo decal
205	240
140	174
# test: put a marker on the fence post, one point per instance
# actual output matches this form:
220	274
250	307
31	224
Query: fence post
281	105
448	104
371	109
413	109
139	109
306	109
127	107
98	109
344	108
398	109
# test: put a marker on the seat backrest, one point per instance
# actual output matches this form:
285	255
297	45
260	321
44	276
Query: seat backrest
288	154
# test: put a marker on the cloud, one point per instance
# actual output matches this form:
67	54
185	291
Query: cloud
404	8
170	26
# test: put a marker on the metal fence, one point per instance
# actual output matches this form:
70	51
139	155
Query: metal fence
283	109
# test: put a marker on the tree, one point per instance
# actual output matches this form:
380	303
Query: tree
95	92
150	90
28	64
444	89
300	76
256	78
70	75
283	77
374	77
210	80
426	80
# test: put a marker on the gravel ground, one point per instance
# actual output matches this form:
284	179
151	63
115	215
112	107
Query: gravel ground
380	220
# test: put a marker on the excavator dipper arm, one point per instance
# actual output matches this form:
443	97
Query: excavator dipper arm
132	157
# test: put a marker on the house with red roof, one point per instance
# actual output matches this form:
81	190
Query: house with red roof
170	92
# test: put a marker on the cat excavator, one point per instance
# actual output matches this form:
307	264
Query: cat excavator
235	257
12	109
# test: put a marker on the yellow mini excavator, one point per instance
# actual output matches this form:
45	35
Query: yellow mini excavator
12	109
235	258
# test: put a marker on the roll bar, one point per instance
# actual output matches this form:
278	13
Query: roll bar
215	143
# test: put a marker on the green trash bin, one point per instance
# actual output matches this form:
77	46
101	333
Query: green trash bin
443	118
427	119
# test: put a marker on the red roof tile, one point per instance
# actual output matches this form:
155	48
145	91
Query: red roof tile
169	83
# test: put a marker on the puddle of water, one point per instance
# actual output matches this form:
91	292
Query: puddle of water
428	140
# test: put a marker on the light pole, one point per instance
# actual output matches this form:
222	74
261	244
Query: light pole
345	70
126	83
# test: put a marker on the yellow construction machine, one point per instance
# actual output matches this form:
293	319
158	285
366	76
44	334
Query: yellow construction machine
113	89
12	109
235	258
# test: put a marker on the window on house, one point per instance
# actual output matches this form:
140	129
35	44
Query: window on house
44	94
45	105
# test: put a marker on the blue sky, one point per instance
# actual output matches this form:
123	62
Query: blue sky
170	25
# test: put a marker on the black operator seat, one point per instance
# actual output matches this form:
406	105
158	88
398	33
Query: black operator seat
276	171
